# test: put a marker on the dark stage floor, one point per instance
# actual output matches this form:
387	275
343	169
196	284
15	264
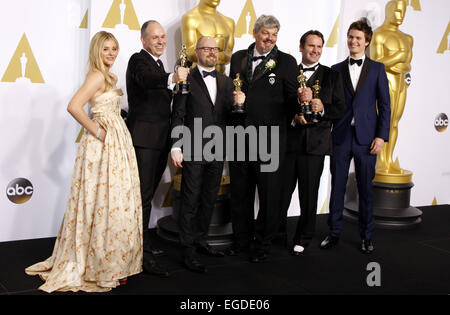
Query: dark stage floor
411	261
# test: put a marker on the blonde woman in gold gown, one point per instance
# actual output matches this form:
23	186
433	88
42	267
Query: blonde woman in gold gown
99	243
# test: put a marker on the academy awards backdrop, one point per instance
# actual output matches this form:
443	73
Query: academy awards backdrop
43	62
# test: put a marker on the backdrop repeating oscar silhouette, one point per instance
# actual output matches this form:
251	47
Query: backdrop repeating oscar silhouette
84	22
333	38
44	59
445	42
23	66
122	15
246	21
415	5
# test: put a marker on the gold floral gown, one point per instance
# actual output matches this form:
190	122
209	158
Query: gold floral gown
100	239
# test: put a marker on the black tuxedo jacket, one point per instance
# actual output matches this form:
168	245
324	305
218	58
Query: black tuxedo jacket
270	94
149	102
316	138
198	104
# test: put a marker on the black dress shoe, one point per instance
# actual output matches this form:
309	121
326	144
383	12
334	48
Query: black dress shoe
194	265
154	251
210	251
157	252
258	257
367	246
236	249
329	241
233	250
152	267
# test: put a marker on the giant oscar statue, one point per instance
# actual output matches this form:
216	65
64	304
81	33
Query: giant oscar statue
392	184
204	20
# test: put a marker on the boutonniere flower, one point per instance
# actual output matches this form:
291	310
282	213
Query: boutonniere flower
270	64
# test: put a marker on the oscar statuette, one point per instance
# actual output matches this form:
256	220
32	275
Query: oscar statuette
305	107
238	108
182	86
316	90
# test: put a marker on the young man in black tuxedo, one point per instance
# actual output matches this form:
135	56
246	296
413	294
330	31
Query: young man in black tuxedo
208	103
149	98
307	142
270	85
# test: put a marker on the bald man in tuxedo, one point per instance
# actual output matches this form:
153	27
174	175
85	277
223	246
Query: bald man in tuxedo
149	98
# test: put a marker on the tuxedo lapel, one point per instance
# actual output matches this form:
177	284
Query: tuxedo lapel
263	70
244	75
198	78
152	61
347	79
259	74
362	78
220	85
317	75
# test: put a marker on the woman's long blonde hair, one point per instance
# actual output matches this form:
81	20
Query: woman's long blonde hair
95	57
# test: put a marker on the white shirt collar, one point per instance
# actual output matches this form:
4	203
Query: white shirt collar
257	54
154	58
311	66
362	58
201	69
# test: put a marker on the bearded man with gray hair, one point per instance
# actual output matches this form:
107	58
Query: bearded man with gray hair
269	83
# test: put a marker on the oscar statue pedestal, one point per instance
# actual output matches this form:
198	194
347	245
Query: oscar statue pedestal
220	230
391	208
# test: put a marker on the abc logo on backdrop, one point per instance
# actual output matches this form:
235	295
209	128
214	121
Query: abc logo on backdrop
441	122
19	190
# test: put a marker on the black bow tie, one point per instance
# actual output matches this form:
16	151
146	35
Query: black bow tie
258	57
160	64
357	61
212	73
309	69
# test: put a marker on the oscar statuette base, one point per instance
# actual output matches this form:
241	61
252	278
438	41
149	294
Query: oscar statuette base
391	207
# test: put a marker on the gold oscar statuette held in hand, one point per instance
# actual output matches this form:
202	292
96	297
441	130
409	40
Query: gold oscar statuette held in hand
182	86
304	110
316	89
238	108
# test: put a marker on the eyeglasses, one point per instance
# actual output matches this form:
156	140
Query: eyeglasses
209	49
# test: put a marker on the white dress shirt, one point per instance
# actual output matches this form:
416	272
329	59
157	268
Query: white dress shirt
355	73
308	74
210	82
211	85
257	62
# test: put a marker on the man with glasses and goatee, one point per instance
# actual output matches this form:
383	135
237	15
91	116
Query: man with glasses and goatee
209	102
